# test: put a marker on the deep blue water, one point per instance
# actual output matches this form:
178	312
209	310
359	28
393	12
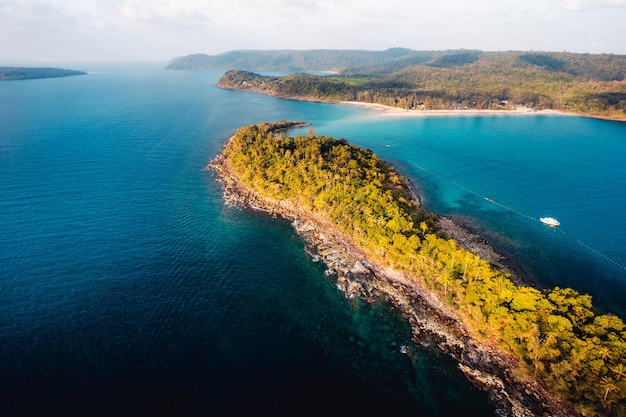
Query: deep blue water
128	288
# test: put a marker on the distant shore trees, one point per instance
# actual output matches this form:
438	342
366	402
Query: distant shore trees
578	83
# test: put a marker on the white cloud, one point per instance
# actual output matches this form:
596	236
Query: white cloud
159	11
161	29
582	5
37	15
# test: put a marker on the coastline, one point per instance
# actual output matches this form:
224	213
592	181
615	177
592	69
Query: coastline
397	112
390	111
431	321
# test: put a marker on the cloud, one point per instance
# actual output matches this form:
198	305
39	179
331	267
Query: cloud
159	29
583	5
178	13
34	15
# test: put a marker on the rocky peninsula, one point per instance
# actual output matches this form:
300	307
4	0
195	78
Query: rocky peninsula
433	322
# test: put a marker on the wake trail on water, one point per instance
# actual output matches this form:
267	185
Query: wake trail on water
519	213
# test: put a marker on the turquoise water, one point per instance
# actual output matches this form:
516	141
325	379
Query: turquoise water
566	167
128	288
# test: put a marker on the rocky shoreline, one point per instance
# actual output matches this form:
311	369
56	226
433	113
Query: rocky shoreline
431	321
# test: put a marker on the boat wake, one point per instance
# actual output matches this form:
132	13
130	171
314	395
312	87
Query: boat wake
550	221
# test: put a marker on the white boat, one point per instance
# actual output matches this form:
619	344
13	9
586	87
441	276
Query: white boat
550	221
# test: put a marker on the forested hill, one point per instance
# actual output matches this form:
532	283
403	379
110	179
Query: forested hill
589	84
557	335
303	61
28	73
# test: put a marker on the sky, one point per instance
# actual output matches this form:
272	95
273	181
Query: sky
160	30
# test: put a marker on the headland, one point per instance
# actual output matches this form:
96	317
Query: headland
433	321
32	73
486	85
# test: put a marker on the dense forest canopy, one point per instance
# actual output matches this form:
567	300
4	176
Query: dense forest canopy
556	334
588	84
302	61
27	73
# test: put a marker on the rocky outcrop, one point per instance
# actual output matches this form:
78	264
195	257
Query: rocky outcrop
432	322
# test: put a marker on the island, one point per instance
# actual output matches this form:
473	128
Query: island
31	73
457	80
536	352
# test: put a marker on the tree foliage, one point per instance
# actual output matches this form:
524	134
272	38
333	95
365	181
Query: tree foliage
579	83
26	73
556	334
308	60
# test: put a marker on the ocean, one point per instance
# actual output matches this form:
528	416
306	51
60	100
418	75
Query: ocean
500	174
128	287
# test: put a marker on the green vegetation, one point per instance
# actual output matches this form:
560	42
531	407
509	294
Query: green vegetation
555	334
588	84
302	61
25	73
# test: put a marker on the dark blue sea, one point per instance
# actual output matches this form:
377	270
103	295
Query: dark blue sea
128	288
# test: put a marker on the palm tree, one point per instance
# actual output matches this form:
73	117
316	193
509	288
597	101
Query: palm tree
619	370
604	352
608	384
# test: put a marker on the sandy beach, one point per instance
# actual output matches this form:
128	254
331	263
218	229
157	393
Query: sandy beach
390	111
397	112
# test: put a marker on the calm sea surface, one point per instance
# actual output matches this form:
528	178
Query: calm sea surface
128	288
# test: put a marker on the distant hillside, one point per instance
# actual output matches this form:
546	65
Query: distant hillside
303	61
599	67
28	73
588	84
